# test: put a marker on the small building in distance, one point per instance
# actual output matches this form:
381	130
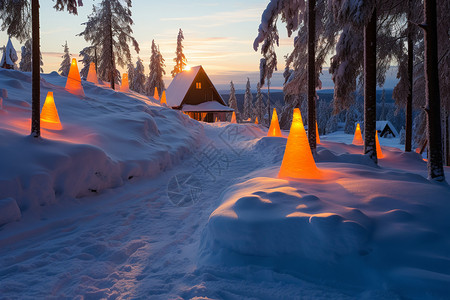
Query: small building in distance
193	93
386	129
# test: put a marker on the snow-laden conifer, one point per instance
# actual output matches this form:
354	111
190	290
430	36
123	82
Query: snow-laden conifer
155	77
88	55
109	29
137	83
180	59
65	64
248	102
232	101
9	56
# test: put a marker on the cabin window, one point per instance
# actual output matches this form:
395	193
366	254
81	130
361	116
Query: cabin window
198	85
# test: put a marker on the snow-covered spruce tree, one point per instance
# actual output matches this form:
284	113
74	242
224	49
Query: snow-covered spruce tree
130	73
25	58
383	106
138	80
311	46
9	56
232	102
248	102
258	110
65	64
15	18
155	77
88	55
180	59
352	116
109	29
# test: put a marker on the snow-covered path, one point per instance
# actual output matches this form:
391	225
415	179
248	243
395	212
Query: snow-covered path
135	242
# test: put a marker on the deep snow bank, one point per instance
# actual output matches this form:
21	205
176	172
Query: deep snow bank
107	138
376	228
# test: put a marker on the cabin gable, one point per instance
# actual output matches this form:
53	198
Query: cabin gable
201	90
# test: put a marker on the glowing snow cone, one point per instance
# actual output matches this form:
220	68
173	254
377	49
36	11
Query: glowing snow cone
92	74
49	114
357	139
124	87
233	118
155	95
317	135
379	153
163	98
298	161
1	102
73	84
274	129
256	120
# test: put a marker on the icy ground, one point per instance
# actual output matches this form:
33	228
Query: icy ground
150	231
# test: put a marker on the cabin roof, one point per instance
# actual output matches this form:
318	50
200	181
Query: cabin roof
206	106
180	85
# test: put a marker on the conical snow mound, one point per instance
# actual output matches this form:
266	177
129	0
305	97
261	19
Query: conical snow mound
274	129
357	138
73	84
49	114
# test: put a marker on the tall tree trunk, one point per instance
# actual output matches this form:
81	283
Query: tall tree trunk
268	100
433	101
35	72
408	125
370	86
312	75
111	49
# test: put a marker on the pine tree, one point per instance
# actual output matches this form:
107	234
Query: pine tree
16	17
232	102
88	55
180	59
155	77
258	110
9	56
65	64
130	72
248	102
109	29
138	82
25	58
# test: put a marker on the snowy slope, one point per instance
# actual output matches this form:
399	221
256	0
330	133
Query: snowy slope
108	137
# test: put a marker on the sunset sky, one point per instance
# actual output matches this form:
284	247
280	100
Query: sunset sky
218	35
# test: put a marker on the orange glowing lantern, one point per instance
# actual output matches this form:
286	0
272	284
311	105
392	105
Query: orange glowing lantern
163	98
274	129
215	120
49	114
156	95
357	138
379	153
73	84
317	135
124	87
298	161
92	74
256	120
233	118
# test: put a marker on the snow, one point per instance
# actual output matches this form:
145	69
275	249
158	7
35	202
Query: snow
179	86
382	124
94	210
206	106
9	55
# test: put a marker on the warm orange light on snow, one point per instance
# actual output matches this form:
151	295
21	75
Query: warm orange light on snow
233	118
274	129
163	98
317	135
377	141
256	120
298	161
357	138
155	94
49	114
125	87
73	84
92	74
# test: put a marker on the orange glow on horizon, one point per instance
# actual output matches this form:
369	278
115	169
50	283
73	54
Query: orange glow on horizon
155	94
357	138
233	118
298	162
378	147
317	135
125	87
92	74
274	129
73	84
163	98
49	114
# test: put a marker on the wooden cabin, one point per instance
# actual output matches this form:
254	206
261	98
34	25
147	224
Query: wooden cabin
193	93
